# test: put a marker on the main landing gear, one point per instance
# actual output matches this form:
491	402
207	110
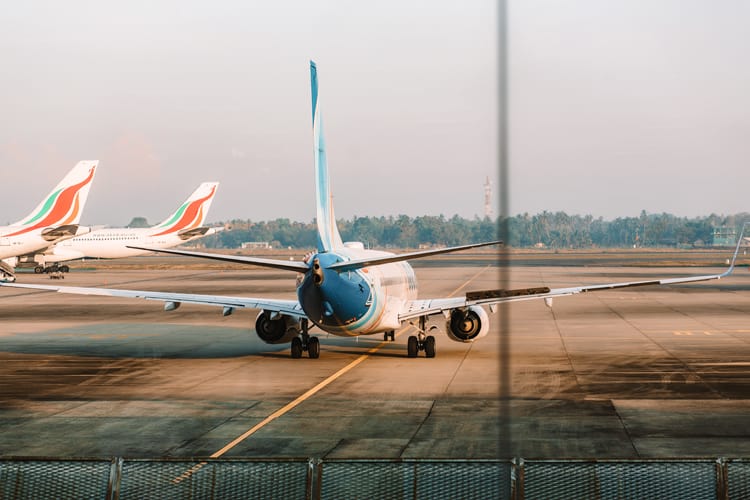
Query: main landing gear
305	343
54	268
421	342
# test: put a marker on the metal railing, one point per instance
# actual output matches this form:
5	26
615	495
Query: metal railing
313	479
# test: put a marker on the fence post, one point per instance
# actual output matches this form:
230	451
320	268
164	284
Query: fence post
314	478
516	480
722	484
113	483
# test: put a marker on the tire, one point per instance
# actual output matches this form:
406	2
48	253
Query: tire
412	347
385	337
38	270
429	346
296	348
313	348
64	269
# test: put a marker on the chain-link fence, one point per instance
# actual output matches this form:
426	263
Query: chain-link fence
313	479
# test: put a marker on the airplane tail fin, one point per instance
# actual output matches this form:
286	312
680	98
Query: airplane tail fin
328	234
192	213
64	204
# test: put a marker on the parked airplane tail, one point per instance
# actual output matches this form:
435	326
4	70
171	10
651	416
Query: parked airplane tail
328	234
64	204
191	214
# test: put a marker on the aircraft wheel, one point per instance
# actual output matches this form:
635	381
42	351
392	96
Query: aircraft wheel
385	336
429	346
412	346
64	269
296	348
38	270
313	348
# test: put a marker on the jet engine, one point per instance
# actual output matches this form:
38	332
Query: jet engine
467	325
280	330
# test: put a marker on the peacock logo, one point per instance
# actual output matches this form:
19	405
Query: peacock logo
190	215
60	208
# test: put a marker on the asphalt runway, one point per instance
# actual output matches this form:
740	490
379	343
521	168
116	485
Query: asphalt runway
644	372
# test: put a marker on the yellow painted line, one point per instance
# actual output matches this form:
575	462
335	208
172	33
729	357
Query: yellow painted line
454	292
281	411
307	395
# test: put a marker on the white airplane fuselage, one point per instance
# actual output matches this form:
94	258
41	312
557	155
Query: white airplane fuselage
112	244
11	246
359	302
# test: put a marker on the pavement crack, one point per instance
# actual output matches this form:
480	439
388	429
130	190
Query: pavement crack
419	428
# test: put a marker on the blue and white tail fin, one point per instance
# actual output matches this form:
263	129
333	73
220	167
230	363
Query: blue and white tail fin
328	234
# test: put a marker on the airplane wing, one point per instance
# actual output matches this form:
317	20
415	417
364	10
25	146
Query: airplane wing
173	300
427	307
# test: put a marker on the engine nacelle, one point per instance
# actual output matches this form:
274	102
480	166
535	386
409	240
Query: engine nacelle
276	331
468	325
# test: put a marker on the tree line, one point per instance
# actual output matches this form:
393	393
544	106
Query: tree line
547	229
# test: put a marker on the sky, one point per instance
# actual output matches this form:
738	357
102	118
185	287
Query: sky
172	93
621	106
615	106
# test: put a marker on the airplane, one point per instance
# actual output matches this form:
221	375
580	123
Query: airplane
346	290
54	219
185	224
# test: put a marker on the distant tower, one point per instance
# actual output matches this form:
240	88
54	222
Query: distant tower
488	198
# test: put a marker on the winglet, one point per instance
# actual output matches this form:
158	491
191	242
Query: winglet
328	234
736	251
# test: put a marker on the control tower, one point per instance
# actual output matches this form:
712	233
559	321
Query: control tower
488	212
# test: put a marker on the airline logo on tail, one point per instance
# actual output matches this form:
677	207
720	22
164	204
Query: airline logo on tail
63	206
190	215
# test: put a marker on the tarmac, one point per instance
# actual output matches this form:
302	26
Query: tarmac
649	372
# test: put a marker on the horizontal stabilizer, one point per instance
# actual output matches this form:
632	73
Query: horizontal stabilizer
186	234
286	265
352	265
55	233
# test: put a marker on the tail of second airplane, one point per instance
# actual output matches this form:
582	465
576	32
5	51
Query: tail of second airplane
64	204
191	214
328	234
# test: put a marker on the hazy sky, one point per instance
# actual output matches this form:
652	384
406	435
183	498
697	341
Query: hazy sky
615	106
618	106
169	94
